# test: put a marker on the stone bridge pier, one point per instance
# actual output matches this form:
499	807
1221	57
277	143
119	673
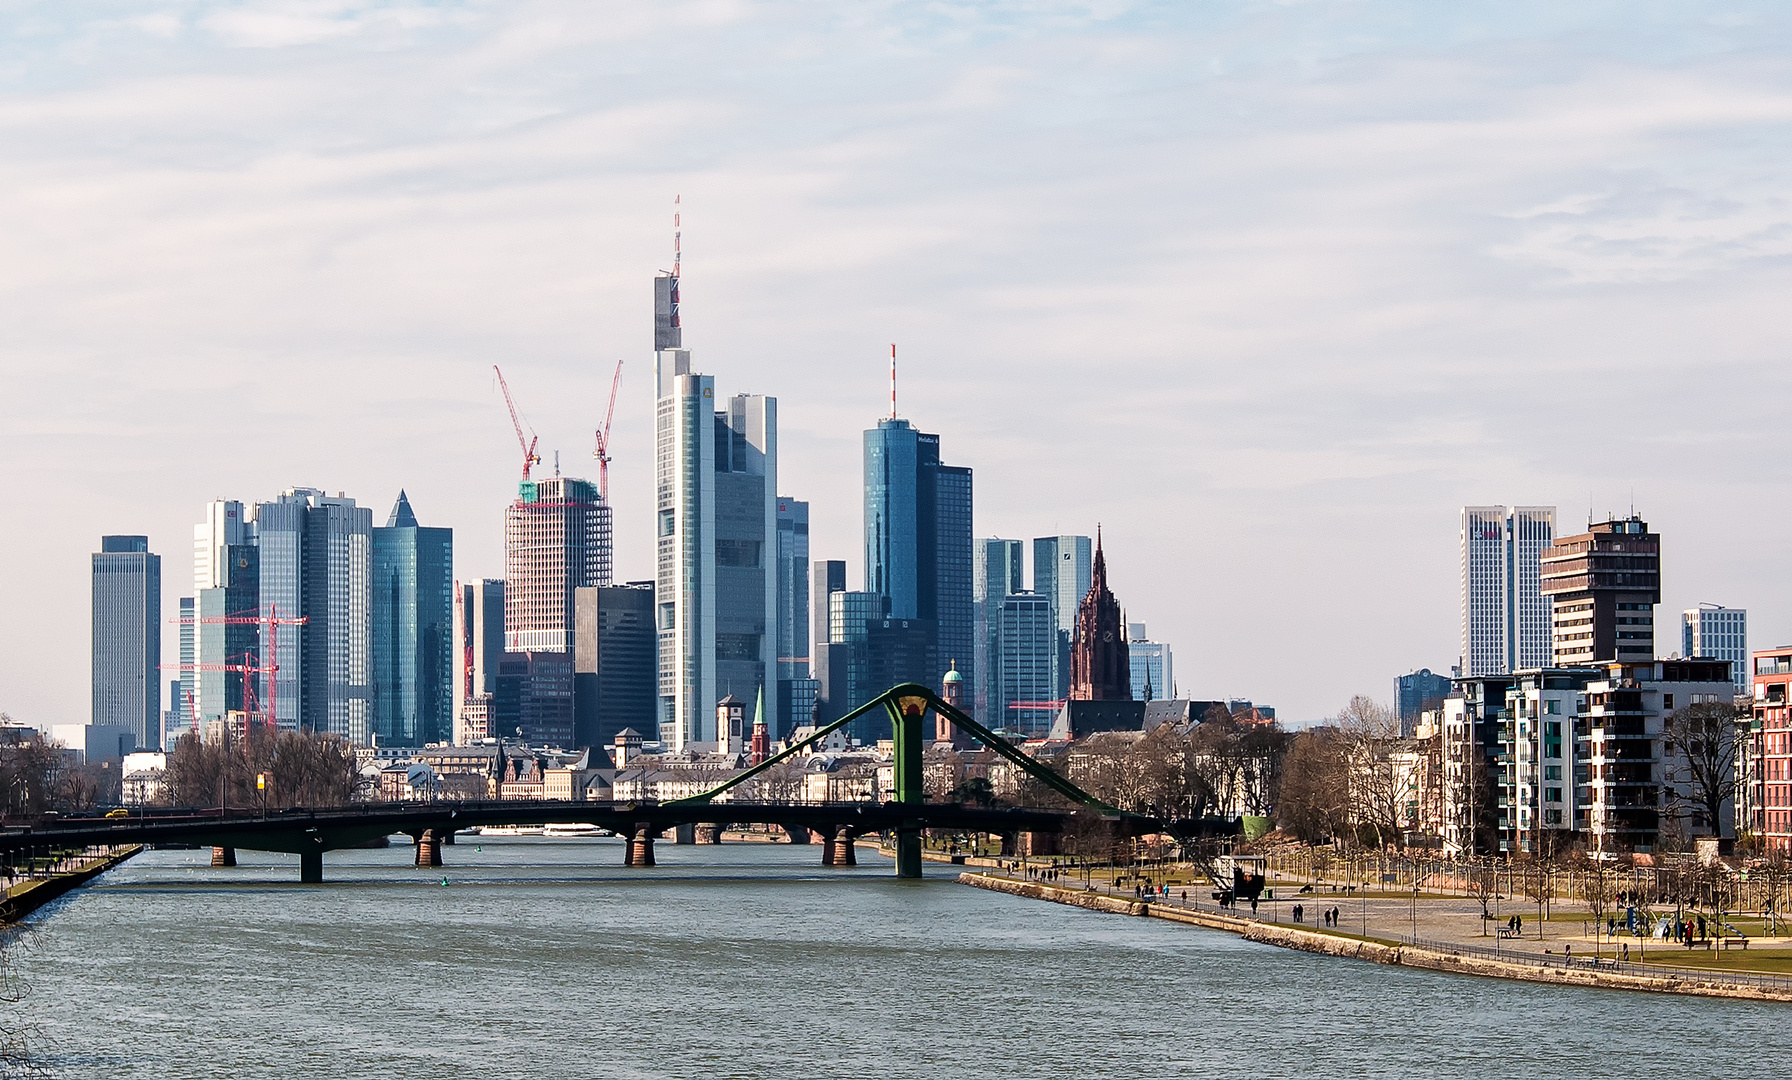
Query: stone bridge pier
710	832
223	856
639	850
429	848
837	848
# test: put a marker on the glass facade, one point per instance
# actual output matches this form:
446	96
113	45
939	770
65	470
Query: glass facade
127	637
1063	571
1028	642
997	573
413	629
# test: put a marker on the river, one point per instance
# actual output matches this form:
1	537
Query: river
546	958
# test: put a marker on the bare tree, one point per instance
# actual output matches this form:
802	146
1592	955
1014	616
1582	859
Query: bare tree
1483	886
1314	803
1702	743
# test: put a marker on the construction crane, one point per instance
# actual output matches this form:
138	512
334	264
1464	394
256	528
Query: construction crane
530	457
602	453
251	664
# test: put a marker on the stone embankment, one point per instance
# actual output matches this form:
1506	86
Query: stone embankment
26	897
1314	941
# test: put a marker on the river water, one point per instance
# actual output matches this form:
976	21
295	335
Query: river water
546	958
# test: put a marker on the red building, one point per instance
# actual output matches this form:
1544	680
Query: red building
1767	764
1100	669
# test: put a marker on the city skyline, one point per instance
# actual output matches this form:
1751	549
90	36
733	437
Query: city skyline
1305	379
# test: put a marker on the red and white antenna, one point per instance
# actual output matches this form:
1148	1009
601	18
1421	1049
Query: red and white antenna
892	380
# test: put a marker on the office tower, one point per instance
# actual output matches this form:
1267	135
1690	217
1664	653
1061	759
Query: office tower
850	679
1416	692
279	538
995	573
1153	674
798	689
1715	632
614	676
336	691
228	649
222	529
716	479
189	643
918	542
830	578
534	699
478	647
1099	667
556	539
1027	639
1505	617
1604	585
1061	574
127	637
413	629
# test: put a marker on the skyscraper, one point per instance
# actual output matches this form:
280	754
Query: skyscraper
183	688
1153	673
1099	666
413	629
1604	585
1505	617
830	578
797	687
918	551
1061	573
336	580
556	539
1715	632
127	637
996	573
1027	647
479	647
216	692
716	479
614	678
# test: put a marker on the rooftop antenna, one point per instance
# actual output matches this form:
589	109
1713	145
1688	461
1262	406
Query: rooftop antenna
892	380
677	235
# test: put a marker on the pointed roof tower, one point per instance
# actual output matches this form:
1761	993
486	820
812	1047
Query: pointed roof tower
402	517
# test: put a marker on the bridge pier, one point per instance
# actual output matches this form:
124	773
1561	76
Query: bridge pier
797	834
311	868
1039	843
840	851
684	834
429	849
908	853
639	850
223	856
1010	843
710	833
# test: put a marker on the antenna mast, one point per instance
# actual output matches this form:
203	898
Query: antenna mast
892	380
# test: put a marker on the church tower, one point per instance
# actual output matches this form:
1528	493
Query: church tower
1100	669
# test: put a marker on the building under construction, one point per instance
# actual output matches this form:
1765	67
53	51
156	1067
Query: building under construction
556	539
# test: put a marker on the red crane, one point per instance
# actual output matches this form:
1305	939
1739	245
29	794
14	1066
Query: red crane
530	457
251	664
602	453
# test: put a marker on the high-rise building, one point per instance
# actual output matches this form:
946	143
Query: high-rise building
1153	674
1415	693
534	699
716	479
797	687
1715	632
336	691
478	648
227	660
556	540
127	637
214	640
830	578
1061	573
1505	617
413	629
1604	585
615	681
1026	638
183	688
1099	666
918	550
996	573
850	679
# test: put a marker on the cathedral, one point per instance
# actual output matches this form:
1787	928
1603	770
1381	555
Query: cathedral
1099	667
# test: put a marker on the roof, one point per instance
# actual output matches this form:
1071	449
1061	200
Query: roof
402	517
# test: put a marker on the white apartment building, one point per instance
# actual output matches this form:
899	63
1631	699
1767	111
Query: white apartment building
1505	617
1715	632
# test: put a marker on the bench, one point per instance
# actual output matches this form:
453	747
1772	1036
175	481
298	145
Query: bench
1736	943
1506	932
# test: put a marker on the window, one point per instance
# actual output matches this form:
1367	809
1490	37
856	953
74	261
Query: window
668	617
1667	701
1552	772
1552	817
1553	794
1555	705
668	524
737	553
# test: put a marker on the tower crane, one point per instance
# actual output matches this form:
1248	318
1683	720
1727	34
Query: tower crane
530	457
602	453
251	664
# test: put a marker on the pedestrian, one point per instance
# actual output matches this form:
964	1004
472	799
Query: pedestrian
1297	913
1253	905
1611	926
1185	896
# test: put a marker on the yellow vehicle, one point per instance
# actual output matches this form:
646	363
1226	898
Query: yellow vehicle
121	812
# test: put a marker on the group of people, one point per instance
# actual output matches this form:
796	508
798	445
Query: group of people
1329	916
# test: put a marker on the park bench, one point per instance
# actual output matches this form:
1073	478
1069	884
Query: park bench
1736	943
1505	932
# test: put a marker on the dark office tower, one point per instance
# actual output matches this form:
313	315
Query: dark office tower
556	539
1099	667
534	701
127	637
614	662
1603	586
996	575
413	630
830	578
918	542
1415	693
478	647
1061	574
226	641
336	690
183	689
797	687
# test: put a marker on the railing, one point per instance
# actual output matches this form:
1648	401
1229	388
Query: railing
1782	983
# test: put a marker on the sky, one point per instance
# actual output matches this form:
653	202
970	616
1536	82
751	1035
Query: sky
1266	290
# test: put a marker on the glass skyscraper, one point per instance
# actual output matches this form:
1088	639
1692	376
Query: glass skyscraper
127	637
797	687
1062	573
1506	619
413	629
997	573
918	550
1027	639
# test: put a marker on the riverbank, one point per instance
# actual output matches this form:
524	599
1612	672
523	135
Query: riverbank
1557	970
26	897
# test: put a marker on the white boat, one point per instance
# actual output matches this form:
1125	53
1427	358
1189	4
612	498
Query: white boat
571	828
510	830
